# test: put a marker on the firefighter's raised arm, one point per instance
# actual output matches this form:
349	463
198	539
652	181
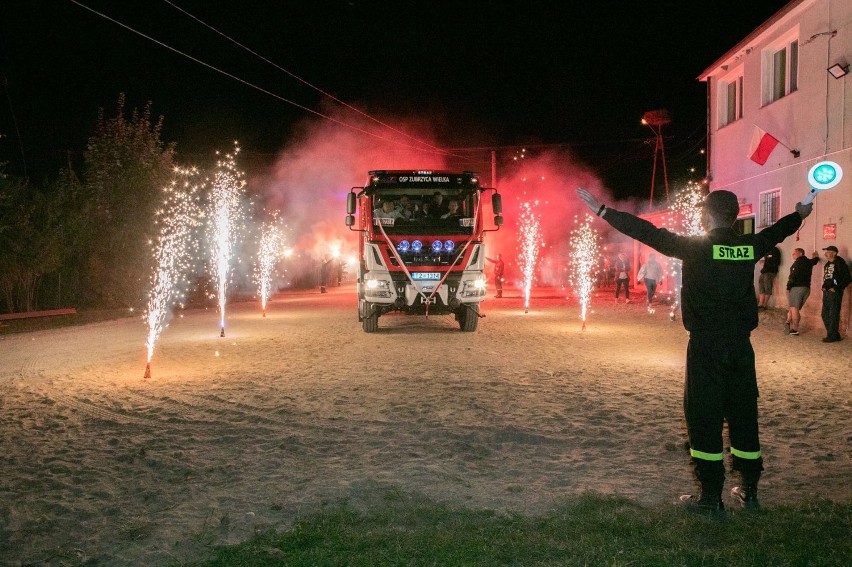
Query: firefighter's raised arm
596	206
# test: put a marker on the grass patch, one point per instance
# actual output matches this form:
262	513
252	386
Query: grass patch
13	326
589	530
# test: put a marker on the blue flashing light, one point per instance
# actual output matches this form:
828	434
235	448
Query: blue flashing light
416	246
403	246
437	246
449	246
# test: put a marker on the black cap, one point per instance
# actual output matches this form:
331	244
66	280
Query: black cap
722	202
832	248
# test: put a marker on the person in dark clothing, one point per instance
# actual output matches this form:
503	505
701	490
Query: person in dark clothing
835	278
439	207
719	310
622	276
798	288
766	281
325	269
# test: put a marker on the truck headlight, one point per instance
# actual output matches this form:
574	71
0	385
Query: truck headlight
473	288
377	288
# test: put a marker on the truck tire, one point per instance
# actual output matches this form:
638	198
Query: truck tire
370	320
469	318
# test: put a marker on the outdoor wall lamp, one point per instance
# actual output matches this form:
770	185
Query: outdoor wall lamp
837	70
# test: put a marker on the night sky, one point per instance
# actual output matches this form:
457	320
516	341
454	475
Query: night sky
503	76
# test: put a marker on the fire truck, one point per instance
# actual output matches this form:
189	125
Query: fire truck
421	244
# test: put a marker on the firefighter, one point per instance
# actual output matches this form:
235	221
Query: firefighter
499	268
719	311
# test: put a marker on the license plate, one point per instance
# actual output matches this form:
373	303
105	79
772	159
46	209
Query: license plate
428	276
428	299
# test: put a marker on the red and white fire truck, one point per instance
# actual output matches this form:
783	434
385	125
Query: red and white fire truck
420	244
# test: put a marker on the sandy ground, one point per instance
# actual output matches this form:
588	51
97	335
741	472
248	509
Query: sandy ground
301	409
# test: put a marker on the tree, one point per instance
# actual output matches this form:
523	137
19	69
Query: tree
33	237
126	166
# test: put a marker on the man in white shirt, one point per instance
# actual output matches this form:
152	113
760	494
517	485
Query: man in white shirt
387	211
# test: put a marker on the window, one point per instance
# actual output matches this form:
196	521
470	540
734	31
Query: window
781	69
730	99
745	225
770	207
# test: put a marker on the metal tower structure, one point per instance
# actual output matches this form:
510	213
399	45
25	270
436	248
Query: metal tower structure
655	120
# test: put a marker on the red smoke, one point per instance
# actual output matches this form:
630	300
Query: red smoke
310	180
549	178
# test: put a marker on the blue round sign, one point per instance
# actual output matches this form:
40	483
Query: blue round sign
824	175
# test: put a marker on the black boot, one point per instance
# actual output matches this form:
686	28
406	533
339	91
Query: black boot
711	477
746	496
703	503
750	470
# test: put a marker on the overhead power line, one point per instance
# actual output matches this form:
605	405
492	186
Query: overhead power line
252	85
301	80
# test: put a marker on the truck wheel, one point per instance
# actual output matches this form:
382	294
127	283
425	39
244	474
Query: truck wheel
370	320
469	318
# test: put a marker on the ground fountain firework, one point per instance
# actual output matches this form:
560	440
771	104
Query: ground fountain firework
271	249
584	245
226	212
685	219
529	241
173	251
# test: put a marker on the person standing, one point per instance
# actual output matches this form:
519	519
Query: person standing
325	268
622	276
835	278
499	267
719	311
766	281
650	273
798	288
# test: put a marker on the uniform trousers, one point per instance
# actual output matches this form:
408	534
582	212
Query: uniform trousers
721	385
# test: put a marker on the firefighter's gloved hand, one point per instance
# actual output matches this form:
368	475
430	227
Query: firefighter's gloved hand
804	210
590	200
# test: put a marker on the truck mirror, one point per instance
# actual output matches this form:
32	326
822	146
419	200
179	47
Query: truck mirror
350	219
350	205
498	220
497	204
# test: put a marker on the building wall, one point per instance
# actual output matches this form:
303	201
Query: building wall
816	120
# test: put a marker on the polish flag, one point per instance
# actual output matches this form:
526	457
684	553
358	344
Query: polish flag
761	146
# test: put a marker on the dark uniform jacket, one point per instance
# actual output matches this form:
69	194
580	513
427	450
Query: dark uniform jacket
835	275
771	262
801	271
718	268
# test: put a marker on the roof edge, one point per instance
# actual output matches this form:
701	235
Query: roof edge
775	18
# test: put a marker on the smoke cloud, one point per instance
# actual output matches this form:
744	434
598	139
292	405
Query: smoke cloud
547	180
309	182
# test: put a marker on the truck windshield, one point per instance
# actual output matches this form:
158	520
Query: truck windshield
424	213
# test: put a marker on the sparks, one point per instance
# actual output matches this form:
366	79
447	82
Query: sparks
172	253
584	252
686	220
529	240
271	249
228	189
